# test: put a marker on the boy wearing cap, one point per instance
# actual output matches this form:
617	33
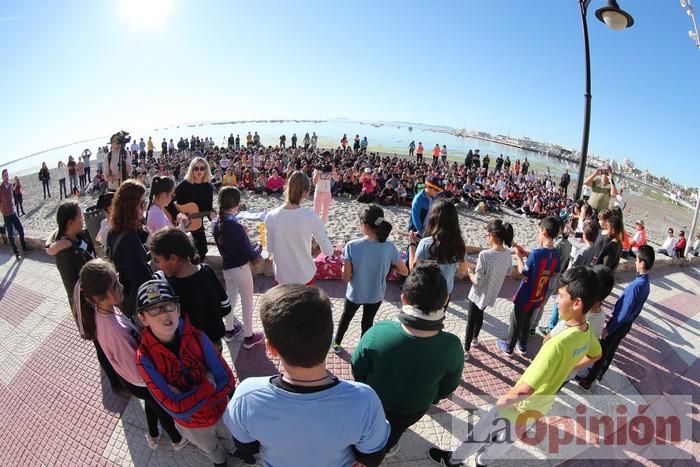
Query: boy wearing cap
421	203
639	239
183	371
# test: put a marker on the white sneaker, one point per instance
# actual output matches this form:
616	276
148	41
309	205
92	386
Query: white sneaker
475	342
152	442
466	356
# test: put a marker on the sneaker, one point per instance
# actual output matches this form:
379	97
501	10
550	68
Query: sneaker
521	350
466	356
479	460
152	442
503	347
336	348
252	340
543	330
441	457
393	451
475	342
178	446
245	458
231	334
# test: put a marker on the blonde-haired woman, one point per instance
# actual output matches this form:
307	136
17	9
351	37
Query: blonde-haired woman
194	196
290	229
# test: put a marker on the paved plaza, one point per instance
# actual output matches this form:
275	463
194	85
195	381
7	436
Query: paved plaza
57	409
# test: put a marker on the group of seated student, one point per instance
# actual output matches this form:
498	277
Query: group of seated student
366	176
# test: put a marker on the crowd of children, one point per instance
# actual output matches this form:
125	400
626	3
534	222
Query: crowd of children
157	313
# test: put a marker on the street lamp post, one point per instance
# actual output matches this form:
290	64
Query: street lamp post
687	5
617	19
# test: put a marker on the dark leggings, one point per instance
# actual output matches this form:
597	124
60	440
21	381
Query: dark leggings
154	413
399	424
519	329
114	379
369	310
474	322
200	243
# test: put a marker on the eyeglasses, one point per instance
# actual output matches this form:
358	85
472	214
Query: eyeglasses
199	168
167	307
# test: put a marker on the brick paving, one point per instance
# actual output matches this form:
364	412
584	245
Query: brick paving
57	409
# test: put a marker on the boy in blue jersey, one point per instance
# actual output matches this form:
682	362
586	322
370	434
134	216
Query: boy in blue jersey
305	416
626	310
539	267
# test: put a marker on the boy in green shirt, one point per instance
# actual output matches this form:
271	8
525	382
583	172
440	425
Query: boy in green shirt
533	394
411	363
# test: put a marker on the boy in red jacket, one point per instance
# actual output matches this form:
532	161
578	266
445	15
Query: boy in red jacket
183	371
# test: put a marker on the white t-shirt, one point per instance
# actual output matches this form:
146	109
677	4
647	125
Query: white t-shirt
324	182
669	244
289	234
492	268
619	201
156	219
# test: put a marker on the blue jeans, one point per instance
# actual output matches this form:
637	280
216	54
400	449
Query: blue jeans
12	222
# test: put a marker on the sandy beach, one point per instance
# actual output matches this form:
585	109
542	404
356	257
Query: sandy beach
40	218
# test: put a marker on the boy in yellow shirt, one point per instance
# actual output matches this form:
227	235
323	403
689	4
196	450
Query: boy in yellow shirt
534	393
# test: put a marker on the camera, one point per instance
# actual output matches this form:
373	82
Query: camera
122	137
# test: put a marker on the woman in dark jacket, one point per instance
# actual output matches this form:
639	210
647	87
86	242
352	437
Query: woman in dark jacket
45	176
72	246
125	241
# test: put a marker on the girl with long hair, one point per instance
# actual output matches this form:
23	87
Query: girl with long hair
102	322
612	249
290	229
160	198
197	191
125	241
492	268
442	241
367	261
237	253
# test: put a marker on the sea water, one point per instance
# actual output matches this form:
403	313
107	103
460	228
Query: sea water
389	137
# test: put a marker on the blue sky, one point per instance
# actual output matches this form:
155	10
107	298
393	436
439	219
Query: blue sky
79	69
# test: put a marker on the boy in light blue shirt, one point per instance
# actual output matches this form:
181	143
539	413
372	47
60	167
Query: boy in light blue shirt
305	416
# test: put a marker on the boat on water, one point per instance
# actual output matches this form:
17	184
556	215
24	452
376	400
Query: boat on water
410	128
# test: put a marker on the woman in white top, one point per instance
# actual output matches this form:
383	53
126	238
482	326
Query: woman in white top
492	267
323	179
62	175
290	229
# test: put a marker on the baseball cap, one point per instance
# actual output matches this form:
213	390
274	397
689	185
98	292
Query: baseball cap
153	292
640	222
434	182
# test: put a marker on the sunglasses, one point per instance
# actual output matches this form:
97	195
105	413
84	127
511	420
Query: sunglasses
199	168
167	307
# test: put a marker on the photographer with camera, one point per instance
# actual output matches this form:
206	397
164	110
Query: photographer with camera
603	189
116	171
324	173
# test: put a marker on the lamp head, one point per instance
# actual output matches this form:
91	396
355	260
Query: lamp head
614	17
